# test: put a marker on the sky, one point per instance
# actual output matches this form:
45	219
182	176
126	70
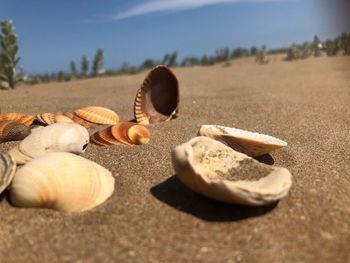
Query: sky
52	33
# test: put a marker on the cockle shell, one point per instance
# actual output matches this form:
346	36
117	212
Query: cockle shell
99	115
61	181
127	133
7	170
20	117
158	98
13	131
78	120
213	169
50	118
251	143
57	137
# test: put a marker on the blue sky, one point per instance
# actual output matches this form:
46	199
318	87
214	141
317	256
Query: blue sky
51	33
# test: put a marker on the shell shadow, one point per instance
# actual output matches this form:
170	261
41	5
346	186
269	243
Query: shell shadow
175	194
266	159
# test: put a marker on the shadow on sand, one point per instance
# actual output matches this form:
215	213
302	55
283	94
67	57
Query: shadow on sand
266	159
175	194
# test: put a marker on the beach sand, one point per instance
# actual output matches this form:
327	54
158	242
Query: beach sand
152	217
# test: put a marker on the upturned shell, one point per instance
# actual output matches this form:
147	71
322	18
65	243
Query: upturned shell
20	117
126	133
213	169
57	137
99	115
250	143
61	181
158	98
7	170
13	131
50	118
78	120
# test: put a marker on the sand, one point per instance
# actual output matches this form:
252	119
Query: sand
152	217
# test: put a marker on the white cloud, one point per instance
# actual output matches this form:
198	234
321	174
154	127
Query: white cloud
173	5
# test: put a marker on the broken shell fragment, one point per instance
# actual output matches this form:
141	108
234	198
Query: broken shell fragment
158	98
61	181
127	133
213	169
50	118
20	117
98	115
250	143
78	120
57	137
7	170
13	131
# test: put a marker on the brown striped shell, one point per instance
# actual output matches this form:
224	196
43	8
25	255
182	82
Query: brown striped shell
50	118
78	120
7	170
20	117
158	98
13	131
98	115
124	133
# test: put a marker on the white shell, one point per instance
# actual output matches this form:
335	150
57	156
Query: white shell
251	143
57	137
61	181
204	165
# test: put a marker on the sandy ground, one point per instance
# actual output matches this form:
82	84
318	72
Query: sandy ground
152	217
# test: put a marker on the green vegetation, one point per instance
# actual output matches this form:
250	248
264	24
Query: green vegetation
97	66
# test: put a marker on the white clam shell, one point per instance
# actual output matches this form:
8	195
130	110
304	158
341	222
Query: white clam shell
251	143
207	166
57	137
61	181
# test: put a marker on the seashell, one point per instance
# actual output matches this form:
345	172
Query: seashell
99	115
158	98
13	131
126	133
250	143
78	120
7	170
213	169
50	118
61	181
57	137
20	117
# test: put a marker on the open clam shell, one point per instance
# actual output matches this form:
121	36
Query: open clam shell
50	118
57	137
158	98
13	131
213	169
61	181
98	115
20	117
7	170
127	133
250	143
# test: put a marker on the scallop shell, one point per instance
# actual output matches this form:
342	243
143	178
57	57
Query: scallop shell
158	98
20	117
50	118
213	169
61	181
7	170
13	131
78	120
250	143
99	115
126	133
57	137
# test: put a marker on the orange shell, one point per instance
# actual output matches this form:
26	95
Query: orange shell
20	117
50	118
13	131
158	98
78	120
98	115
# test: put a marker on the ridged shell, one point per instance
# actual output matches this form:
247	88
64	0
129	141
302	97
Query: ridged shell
7	170
158	98
20	117
78	120
50	118
57	137
250	143
13	131
61	181
213	169
99	115
126	133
